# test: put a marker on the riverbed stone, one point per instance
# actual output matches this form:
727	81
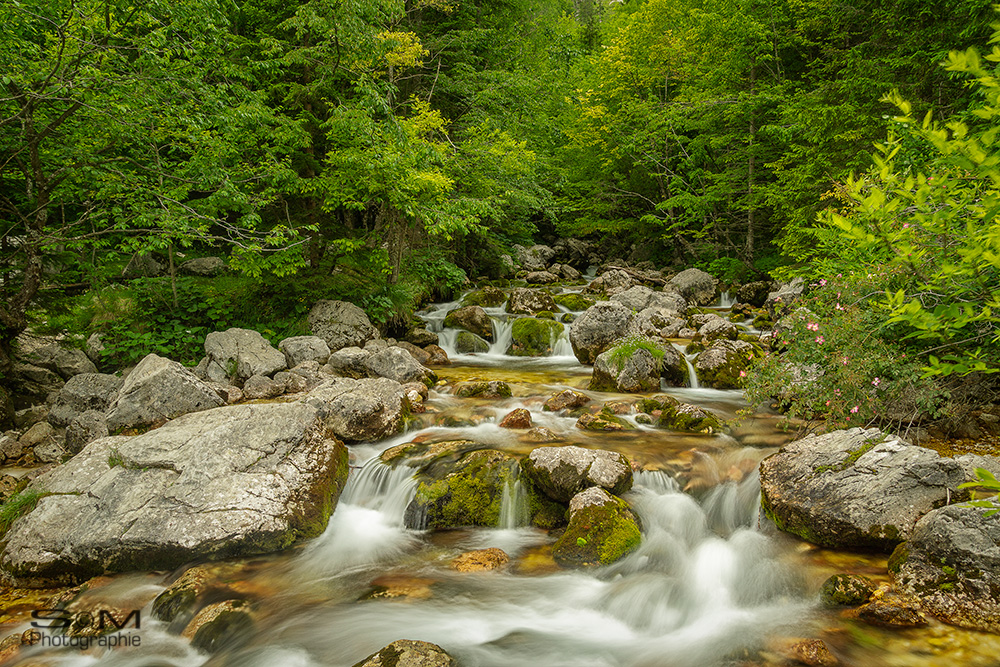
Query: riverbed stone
849	590
86	391
567	399
856	489
471	318
361	410
220	625
598	328
65	361
718	328
397	364
237	354
409	653
626	368
677	416
519	418
602	529
180	597
754	293
951	562
484	389
341	324
605	420
487	297
467	342
481	560
533	337
156	390
350	362
229	482
721	364
525	301
698	287
541	278
262	387
469	495
422	337
206	267
562	472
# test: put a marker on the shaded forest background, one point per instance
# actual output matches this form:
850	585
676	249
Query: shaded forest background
385	152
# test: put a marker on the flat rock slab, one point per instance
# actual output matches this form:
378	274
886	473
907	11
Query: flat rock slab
952	563
857	489
232	481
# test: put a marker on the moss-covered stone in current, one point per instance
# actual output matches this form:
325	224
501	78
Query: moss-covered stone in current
572	301
598	534
534	337
468	496
467	342
487	297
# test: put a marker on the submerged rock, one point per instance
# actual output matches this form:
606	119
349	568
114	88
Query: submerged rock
233	481
179	599
467	342
481	560
602	529
409	653
562	472
846	590
952	564
484	389
856	489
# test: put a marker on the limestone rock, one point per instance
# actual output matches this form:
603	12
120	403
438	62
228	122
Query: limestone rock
87	391
696	286
535	258
846	589
360	410
397	364
541	278
519	418
720	365
524	301
85	428
261	387
239	354
484	389
626	370
567	399
220	625
600	326
66	362
467	342
471	318
298	349
423	337
156	390
340	324
234	481
179	599
856	489
562	472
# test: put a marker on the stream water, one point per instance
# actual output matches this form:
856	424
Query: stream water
712	583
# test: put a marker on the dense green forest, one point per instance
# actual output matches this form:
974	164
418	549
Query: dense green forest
386	152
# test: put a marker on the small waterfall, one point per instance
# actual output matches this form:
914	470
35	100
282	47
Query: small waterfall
726	300
692	372
561	347
514	511
503	333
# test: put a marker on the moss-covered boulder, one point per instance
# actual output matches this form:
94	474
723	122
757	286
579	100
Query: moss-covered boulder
562	472
408	653
602	529
471	318
220	625
484	389
605	420
534	337
573	301
632	366
846	590
467	342
677	416
486	297
469	495
721	364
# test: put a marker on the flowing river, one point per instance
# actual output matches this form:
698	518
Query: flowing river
713	583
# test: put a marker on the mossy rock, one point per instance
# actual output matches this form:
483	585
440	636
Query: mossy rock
763	322
422	455
487	297
846	590
467	342
220	626
534	337
572	301
469	495
484	389
567	318
605	420
180	597
689	418
545	315
545	512
599	533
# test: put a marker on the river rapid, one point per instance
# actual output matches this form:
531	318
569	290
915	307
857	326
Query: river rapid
713	582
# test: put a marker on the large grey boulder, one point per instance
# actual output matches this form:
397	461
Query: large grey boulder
952	563
397	364
696	286
857	489
87	391
204	266
718	328
524	301
340	324
535	258
563	472
85	428
66	362
574	252
298	349
349	362
611	282
156	390
360	410
235	481
597	328
656	323
238	354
